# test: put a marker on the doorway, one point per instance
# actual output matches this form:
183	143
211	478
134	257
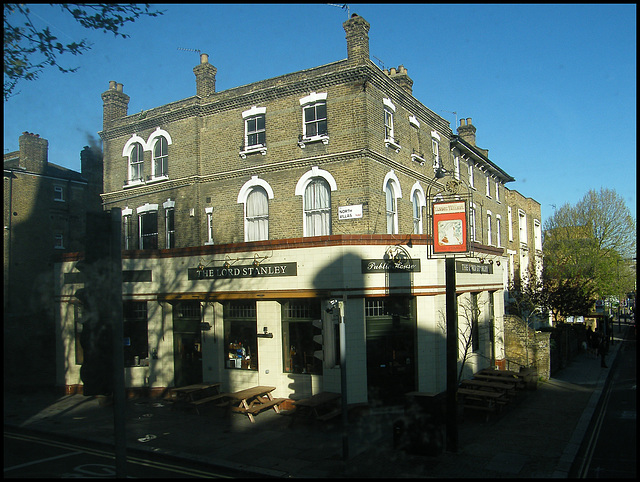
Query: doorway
390	333
187	343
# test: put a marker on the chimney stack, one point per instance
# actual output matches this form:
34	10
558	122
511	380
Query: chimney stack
467	131
357	30
401	78
205	77
34	152
114	103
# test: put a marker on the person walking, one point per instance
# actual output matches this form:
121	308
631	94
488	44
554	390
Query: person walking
602	349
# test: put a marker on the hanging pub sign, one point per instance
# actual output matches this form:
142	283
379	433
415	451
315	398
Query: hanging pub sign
450	227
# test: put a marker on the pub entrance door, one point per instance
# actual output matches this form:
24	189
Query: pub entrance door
390	332
187	343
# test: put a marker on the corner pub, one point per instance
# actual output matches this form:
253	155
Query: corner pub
250	214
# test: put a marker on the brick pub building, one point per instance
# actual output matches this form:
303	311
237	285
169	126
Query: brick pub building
248	214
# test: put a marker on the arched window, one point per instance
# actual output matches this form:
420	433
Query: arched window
160	158
257	215
392	213
417	213
317	208
136	162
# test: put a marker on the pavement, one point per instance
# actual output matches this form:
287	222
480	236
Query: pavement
536	435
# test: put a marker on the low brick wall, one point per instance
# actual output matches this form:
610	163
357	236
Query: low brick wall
525	347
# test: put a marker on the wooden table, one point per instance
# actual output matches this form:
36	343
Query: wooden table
500	379
505	386
482	399
321	406
191	393
252	401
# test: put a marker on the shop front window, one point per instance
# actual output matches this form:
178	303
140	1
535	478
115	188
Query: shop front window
302	337
240	329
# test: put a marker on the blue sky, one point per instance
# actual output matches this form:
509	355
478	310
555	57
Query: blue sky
551	89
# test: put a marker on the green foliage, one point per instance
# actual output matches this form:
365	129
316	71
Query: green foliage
29	50
587	252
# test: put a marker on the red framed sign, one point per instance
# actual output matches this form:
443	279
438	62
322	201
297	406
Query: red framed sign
450	227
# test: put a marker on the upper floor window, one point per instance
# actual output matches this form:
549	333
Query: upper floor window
471	174
537	234
498	231
127	229
255	132
148	226
435	149
58	242
488	185
209	212
510	222
472	221
392	193
136	162
522	226
489	232
417	214
317	208
58	193
314	118
389	131
169	222
497	191
456	166
160	158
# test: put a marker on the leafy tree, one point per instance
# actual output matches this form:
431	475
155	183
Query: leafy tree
585	251
28	50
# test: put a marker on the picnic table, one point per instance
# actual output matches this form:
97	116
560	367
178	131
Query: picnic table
252	401
519	382
506	386
193	396
321	406
485	400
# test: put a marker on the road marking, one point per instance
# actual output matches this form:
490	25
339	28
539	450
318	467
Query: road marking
34	462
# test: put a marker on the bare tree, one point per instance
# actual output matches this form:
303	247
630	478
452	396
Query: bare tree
29	49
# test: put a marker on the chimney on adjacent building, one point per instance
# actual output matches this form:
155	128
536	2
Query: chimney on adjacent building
401	77
467	131
357	30
114	103
34	152
205	77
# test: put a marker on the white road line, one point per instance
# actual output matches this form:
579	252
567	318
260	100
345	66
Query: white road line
15	467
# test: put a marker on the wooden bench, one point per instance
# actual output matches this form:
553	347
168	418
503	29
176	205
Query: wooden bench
208	400
484	400
259	407
321	406
508	387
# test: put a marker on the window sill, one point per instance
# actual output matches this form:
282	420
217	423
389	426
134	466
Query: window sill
418	159
209	243
252	150
308	140
157	179
392	143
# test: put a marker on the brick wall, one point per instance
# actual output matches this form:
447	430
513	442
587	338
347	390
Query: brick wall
525	347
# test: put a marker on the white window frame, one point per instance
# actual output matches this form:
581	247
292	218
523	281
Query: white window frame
58	241
247	116
417	194
389	129
472	221
435	149
537	234
139	164
209	213
456	166
471	163
488	188
392	180
498	231
522	227
169	206
243	195
489	231
497	191
164	159
313	99
301	188
59	193
142	210
126	227
510	222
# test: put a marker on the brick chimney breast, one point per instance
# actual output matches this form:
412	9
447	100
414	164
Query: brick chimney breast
114	103
357	30
205	77
467	131
34	152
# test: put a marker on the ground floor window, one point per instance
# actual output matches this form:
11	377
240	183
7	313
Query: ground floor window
240	329
136	341
302	336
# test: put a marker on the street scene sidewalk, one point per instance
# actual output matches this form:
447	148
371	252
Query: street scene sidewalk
537	435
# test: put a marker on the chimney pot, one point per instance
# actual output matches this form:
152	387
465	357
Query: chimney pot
112	85
204	58
469	121
393	71
463	122
119	87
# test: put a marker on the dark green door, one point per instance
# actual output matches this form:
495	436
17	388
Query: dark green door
187	343
390	349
